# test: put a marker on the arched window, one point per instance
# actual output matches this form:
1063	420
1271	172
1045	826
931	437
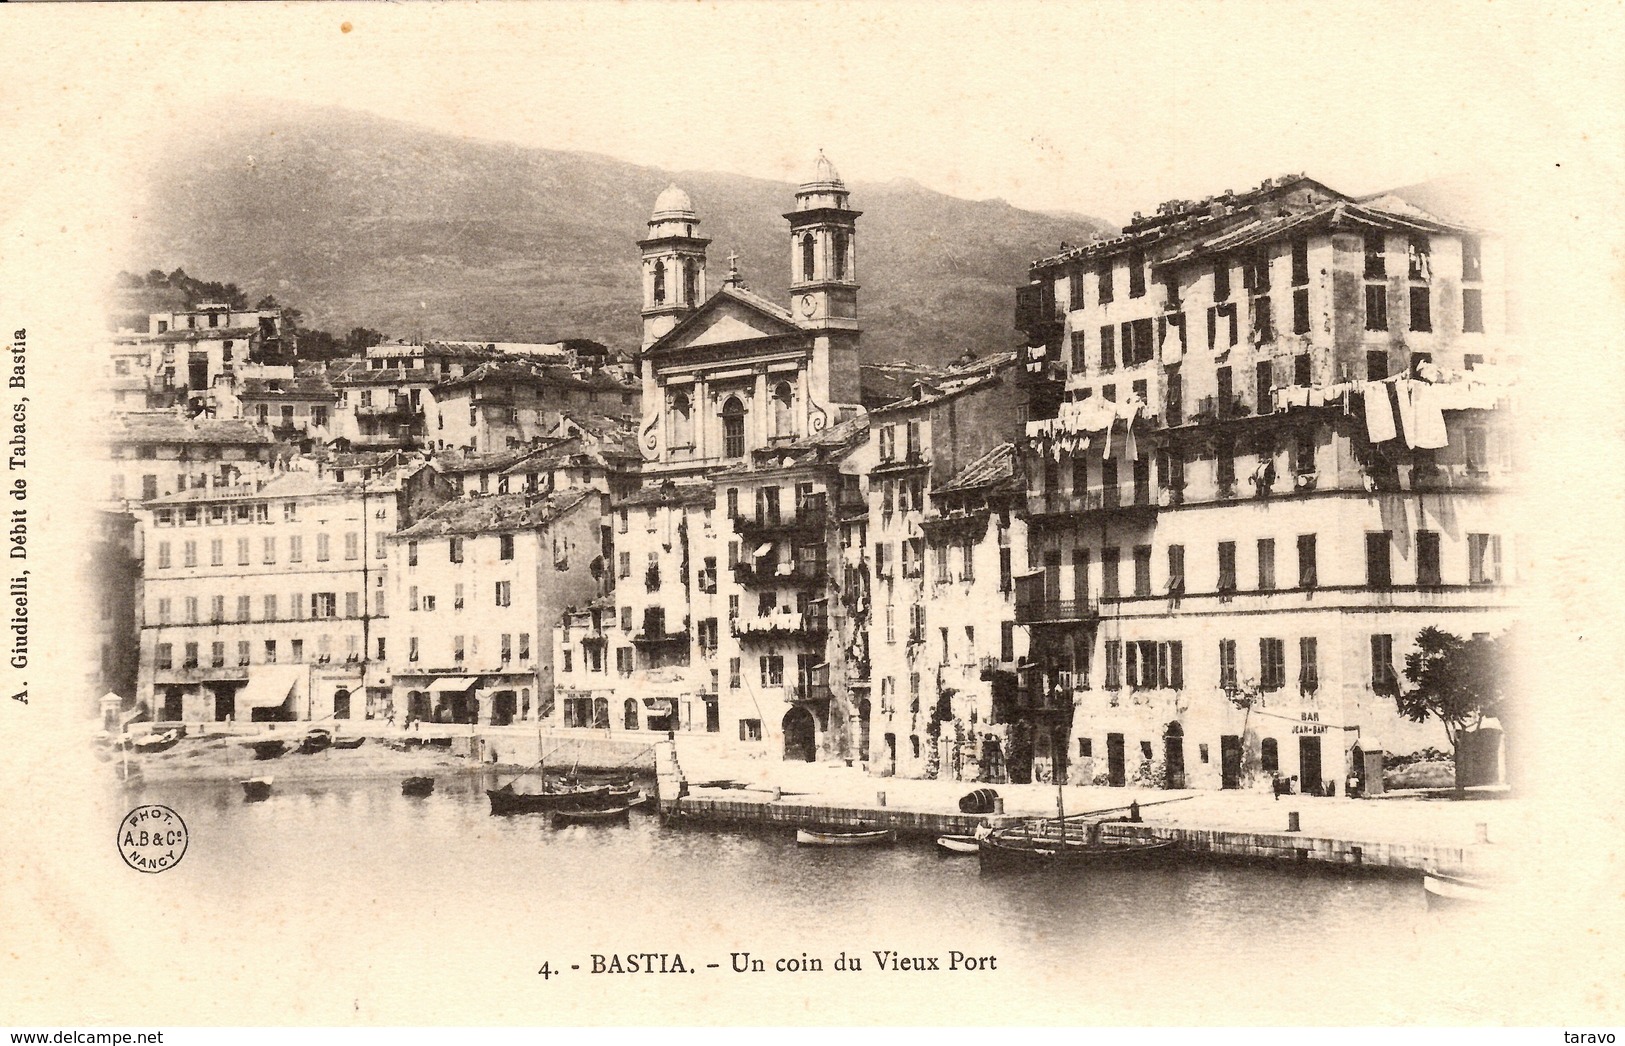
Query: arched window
600	713
660	283
631	720
807	257
682	420
783	413
691	282
733	428
840	254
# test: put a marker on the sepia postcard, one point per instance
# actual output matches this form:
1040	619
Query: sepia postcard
811	515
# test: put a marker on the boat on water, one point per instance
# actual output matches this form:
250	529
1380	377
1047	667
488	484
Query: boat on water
349	742
846	837
506	800
417	786
1455	892
157	742
271	749
1000	851
958	844
608	815
256	789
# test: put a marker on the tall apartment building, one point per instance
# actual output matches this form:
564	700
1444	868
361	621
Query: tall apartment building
1265	441
477	586
267	601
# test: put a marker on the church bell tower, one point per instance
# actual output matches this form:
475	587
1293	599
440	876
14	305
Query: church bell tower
673	264
824	254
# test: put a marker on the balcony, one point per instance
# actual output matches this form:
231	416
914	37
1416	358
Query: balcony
782	624
811	516
779	574
1055	611
398	409
806	690
1066	503
647	639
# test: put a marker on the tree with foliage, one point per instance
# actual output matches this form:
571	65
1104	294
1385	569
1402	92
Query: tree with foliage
1460	682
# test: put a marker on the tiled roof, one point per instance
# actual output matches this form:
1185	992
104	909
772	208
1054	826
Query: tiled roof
286	485
1333	216
496	513
171	428
454	462
946	389
669	493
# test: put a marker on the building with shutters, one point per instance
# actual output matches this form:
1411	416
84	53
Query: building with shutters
1268	437
268	601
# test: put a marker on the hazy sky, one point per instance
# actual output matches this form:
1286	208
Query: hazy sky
1104	108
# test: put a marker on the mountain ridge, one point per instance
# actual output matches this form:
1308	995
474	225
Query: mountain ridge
362	220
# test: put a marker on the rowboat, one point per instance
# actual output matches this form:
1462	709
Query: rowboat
1450	891
506	801
876	837
317	740
417	786
256	789
157	742
267	749
349	742
608	815
958	844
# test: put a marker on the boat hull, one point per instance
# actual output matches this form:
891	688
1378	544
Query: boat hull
958	845
350	742
998	854
882	837
417	786
612	815
268	749
1445	892
256	789
506	802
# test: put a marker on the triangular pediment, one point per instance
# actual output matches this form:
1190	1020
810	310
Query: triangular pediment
726	317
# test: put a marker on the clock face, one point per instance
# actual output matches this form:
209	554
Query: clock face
808	305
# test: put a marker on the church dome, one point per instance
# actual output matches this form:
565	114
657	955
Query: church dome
824	174
673	205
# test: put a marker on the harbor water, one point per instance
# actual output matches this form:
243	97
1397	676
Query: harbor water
363	904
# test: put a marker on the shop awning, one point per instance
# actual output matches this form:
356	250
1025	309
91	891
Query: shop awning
269	686
453	683
761	550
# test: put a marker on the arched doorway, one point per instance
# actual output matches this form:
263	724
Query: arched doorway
629	713
1173	756
504	705
800	736
341	703
863	730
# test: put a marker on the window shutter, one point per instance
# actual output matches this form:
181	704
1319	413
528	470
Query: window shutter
1176	665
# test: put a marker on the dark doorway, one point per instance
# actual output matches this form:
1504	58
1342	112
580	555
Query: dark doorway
891	756
800	736
341	704
1114	761
863	730
1230	761
197	371
1058	755
225	704
503	706
172	705
1309	780
1173	756
713	718
1020	755
417	704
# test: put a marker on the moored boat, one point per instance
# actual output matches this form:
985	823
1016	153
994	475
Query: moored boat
417	786
349	742
317	740
608	815
256	789
1011	849
506	800
270	749
157	742
1453	891
958	844
846	837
